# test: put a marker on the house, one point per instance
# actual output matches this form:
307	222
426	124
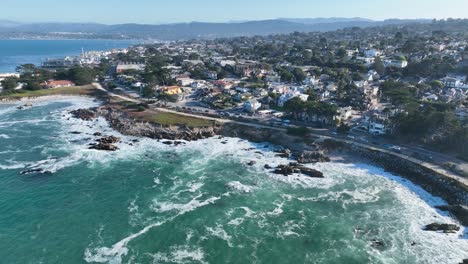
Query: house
454	81
127	66
344	113
377	127
396	63
57	84
311	81
184	80
173	91
252	105
273	78
290	95
223	84
372	53
212	75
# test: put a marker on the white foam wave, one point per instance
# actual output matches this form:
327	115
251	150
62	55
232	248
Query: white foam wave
236	185
118	250
4	136
181	255
220	233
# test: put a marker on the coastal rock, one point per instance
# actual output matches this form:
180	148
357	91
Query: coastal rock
284	153
446	228
109	140
306	157
377	244
35	170
296	168
459	211
251	163
97	134
104	146
268	167
106	143
84	114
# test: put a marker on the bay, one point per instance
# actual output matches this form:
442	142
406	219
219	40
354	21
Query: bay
17	52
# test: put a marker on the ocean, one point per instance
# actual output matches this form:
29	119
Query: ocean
17	52
198	202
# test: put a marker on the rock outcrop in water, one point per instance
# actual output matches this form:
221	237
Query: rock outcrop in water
106	143
84	114
125	124
292	168
446	228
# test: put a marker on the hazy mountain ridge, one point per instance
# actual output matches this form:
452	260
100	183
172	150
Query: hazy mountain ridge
193	29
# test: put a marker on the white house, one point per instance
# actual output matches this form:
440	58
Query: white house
372	53
290	95
455	81
396	63
252	105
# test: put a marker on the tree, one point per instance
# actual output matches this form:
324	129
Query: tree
299	75
285	75
32	86
378	66
147	91
82	75
9	84
341	53
343	128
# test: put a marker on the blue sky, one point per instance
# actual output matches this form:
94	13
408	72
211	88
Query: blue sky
170	11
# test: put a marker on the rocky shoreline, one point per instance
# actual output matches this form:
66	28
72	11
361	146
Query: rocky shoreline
303	151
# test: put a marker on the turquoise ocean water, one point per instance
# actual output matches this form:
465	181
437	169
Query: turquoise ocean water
196	203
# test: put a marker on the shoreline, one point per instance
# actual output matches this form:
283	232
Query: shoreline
451	192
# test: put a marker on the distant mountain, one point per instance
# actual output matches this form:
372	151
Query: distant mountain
190	30
322	20
8	23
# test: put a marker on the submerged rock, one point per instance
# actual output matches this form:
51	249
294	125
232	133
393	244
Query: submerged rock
251	163
35	170
446	228
378	244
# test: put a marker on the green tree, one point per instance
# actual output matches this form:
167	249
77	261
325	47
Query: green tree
82	75
9	84
378	66
299	75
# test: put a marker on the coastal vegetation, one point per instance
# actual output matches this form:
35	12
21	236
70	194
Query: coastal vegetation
86	90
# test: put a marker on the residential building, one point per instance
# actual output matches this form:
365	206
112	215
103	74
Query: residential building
57	84
252	105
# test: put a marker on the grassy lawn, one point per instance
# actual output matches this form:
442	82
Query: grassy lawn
175	119
76	90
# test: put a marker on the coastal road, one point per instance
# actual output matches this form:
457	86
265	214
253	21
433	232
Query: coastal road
111	94
320	134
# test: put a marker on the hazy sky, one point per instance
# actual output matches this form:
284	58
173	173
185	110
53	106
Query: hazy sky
170	11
